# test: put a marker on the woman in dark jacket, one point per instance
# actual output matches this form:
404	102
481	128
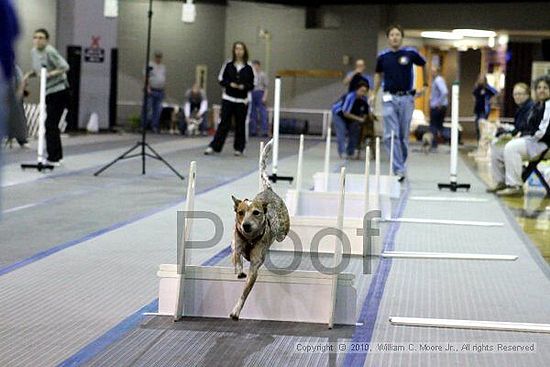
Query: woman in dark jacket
237	79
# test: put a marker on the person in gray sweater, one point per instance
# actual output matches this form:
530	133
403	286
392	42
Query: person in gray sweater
57	89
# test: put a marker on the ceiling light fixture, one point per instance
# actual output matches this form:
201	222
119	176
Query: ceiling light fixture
441	35
189	12
110	8
476	33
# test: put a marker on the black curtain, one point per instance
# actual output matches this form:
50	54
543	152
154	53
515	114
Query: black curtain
518	69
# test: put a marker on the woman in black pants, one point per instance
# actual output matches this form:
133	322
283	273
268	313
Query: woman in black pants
237	79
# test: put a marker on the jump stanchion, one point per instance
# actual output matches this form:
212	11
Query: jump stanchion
377	174
276	119
41	163
367	171
453	185
186	224
299	172
390	169
327	158
260	184
338	244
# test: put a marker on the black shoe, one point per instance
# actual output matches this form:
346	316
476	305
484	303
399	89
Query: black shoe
401	178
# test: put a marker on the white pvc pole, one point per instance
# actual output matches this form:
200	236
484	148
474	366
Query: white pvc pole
260	185
327	158
337	259
377	162
454	131
367	170
377	176
299	175
391	154
300	162
42	117
187	223
276	118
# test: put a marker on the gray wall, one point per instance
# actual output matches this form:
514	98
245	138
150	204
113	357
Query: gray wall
295	47
79	20
184	46
34	14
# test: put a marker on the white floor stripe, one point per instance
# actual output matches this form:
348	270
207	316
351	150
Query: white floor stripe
447	255
471	324
449	198
445	221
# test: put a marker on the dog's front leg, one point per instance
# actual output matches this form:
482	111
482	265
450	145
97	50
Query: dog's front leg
252	275
237	259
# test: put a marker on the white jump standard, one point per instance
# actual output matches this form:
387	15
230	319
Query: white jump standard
41	163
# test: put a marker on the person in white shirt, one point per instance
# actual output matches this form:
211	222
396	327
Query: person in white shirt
195	110
155	89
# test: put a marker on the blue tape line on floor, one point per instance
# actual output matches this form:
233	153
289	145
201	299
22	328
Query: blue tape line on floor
371	305
111	336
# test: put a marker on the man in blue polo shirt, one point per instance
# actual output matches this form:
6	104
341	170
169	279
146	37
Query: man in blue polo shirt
395	67
348	114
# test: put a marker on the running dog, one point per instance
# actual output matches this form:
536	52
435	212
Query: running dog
258	223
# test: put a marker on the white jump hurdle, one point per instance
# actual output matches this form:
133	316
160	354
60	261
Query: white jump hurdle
312	211
327	181
301	296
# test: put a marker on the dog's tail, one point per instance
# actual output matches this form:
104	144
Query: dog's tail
263	164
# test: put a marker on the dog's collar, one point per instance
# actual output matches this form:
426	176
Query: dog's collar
251	242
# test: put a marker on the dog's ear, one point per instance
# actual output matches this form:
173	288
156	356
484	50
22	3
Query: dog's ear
236	202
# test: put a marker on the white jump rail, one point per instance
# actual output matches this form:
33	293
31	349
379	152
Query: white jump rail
313	211
327	181
301	296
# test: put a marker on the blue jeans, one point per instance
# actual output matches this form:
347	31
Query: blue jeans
397	119
352	129
154	109
258	113
437	117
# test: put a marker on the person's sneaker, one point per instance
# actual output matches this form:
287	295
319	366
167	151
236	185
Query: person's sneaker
511	191
401	178
54	163
499	186
237	153
209	151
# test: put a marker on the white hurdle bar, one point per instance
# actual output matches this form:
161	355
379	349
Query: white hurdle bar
471	324
211	291
387	184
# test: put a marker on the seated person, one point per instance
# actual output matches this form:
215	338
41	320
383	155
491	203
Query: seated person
348	114
530	141
194	118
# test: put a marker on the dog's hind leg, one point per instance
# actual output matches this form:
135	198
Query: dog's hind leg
252	275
